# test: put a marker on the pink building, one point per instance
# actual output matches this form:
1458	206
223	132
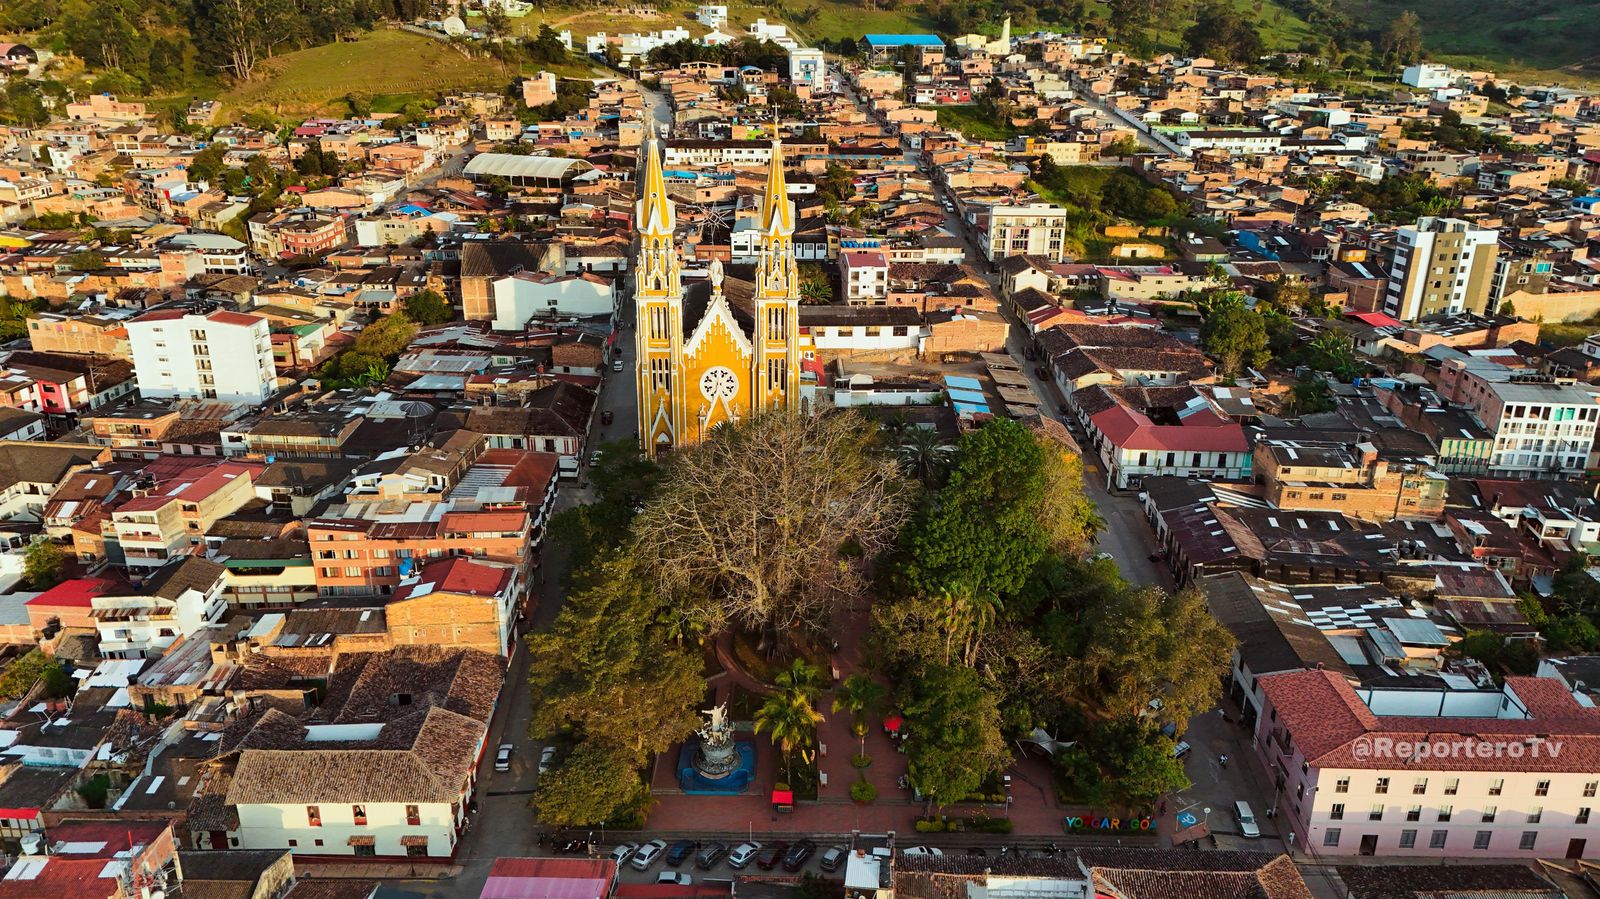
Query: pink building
1456	774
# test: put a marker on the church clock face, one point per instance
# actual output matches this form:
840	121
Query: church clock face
719	383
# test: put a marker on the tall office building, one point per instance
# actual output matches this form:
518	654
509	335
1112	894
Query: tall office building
1441	266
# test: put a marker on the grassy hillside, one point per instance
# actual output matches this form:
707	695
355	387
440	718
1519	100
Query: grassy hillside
380	62
833	19
1508	34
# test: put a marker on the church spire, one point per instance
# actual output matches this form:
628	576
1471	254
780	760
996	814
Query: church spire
653	213
777	213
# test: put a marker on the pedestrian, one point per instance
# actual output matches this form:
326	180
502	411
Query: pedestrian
1224	760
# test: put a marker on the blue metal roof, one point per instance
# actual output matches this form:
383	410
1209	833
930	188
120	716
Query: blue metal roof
904	40
962	382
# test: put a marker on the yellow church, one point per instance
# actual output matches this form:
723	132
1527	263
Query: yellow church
722	348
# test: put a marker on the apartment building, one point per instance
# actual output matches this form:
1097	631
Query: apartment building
176	601
1333	477
1033	229
865	277
202	353
1448	774
1542	426
100	334
1442	266
167	519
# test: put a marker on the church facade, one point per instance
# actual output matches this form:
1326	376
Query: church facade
703	359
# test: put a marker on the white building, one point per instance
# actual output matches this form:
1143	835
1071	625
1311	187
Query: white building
712	16
1034	229
526	296
219	253
1428	75
1240	142
777	32
1448	774
182	598
807	68
1540	428
865	277
190	353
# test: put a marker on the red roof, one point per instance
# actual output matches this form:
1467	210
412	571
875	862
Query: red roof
1376	319
459	575
1333	728
75	593
1200	432
193	486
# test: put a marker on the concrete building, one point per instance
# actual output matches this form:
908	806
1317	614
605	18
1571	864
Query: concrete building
807	68
1350	479
1437	773
1034	229
529	296
196	353
1441	266
865	278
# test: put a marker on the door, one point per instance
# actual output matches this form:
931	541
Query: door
1575	848
219	839
1369	844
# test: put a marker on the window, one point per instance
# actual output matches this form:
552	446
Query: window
1437	839
1451	786
1382	786
416	850
1589	789
365	849
1336	812
1445	811
1342	785
1481	840
413	815
294	843
313	816
1542	788
1330	837
1582	817
1496	787
1408	839
359	813
1414	813
1489	813
1376	812
1420	787
1529	837
1535	815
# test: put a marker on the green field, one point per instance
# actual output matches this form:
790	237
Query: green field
385	62
833	19
1280	28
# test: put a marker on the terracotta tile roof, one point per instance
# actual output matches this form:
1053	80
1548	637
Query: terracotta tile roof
1325	717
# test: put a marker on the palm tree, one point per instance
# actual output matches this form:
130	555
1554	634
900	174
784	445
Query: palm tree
801	681
923	454
858	695
966	614
792	724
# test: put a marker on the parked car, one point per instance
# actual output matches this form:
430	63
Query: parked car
1247	819
1181	749
677	878
680	852
922	852
648	853
617	365
594	458
502	758
795	858
547	759
743	854
833	858
770	855
710	855
623	852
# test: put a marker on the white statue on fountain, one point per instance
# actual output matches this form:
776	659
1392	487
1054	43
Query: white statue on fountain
718	756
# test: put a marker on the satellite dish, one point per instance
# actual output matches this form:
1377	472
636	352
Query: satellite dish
454	27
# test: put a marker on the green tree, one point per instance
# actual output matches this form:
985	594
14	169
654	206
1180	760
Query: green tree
1010	499
859	695
956	724
923	454
427	307
596	784
387	337
20	676
608	668
622	481
1237	337
43	563
1121	148
1223	33
791	721
1401	43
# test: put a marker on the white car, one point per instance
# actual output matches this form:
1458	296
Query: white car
674	877
1247	820
922	852
743	854
617	365
622	853
648	853
502	758
547	759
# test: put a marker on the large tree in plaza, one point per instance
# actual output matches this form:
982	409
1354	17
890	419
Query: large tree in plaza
770	523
